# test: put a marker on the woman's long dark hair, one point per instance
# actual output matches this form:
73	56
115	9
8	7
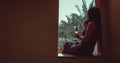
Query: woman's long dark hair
94	16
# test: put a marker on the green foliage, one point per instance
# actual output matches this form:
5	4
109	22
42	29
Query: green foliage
66	28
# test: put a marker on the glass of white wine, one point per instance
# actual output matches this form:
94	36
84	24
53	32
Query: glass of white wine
76	30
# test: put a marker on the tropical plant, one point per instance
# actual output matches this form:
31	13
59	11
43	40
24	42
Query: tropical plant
66	28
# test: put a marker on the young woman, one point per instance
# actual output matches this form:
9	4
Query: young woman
92	33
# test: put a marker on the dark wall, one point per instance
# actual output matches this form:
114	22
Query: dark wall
28	32
114	20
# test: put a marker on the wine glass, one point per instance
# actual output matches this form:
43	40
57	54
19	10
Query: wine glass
76	29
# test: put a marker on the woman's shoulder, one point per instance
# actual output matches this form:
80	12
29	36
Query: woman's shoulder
92	25
89	22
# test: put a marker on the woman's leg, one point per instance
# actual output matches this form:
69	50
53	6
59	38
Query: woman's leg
66	48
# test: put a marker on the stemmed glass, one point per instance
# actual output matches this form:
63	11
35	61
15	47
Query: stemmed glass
77	36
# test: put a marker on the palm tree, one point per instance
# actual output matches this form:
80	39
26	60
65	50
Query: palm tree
66	28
